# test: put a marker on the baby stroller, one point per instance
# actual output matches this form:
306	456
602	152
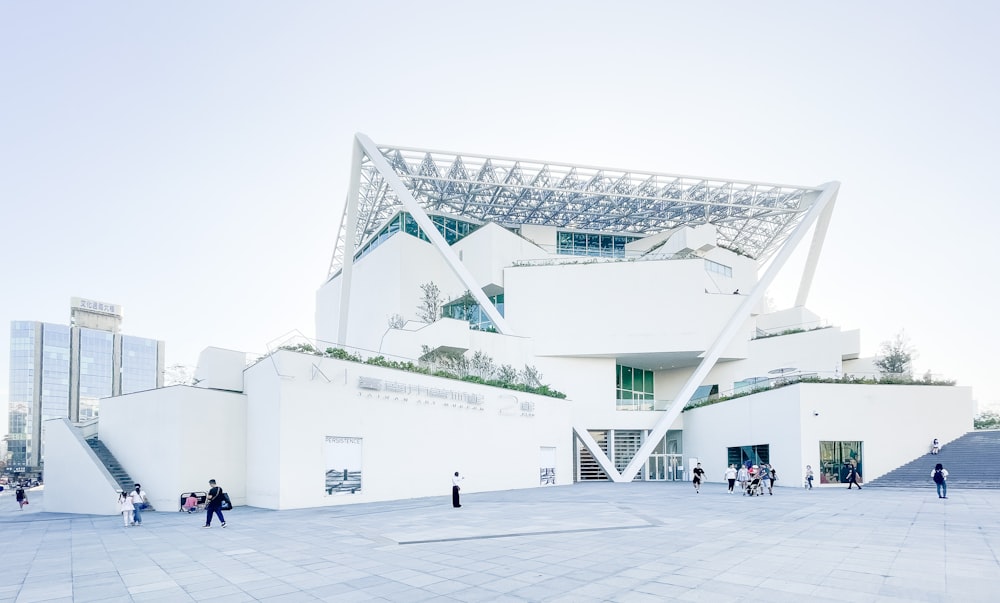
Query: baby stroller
755	486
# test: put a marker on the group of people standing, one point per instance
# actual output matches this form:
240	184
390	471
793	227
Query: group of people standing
747	473
131	505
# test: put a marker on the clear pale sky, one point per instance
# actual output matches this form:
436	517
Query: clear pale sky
189	160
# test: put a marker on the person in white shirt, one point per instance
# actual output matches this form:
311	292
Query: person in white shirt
454	490
138	497
731	476
743	476
125	507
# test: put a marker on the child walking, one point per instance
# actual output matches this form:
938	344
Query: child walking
126	507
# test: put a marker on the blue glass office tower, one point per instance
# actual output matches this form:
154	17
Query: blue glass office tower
60	371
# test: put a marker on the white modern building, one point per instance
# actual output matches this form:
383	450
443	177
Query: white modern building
635	295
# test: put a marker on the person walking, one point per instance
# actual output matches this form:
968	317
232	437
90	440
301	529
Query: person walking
22	498
852	476
765	476
743	476
772	476
699	474
455	480
213	504
138	497
731	476
809	477
940	477
935	446
125	507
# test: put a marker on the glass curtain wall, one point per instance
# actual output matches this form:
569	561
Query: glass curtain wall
599	245
633	388
21	392
138	364
96	370
55	372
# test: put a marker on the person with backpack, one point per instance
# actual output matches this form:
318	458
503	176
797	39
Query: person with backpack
213	504
940	477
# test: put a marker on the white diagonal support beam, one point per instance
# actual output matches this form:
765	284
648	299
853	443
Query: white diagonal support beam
827	196
819	236
431	231
595	450
349	228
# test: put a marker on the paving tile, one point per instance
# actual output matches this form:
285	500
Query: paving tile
547	544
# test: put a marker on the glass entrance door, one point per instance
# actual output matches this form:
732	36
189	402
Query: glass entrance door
665	468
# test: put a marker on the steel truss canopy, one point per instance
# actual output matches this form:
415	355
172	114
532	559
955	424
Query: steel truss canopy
754	218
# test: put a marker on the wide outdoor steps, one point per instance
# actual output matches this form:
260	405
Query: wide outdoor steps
972	461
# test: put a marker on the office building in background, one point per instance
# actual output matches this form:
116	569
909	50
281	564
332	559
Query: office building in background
62	371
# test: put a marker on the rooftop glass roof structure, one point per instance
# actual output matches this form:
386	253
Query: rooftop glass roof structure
752	217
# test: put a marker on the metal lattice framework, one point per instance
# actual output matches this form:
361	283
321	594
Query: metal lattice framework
752	217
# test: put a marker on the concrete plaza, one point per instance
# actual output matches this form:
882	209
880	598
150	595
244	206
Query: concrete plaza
642	541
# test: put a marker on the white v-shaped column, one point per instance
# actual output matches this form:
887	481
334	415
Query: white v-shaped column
821	210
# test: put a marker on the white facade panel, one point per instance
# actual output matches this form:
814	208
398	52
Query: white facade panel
386	281
615	308
75	480
895	424
175	439
491	248
411	439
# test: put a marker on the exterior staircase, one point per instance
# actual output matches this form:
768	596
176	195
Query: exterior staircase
972	461
125	482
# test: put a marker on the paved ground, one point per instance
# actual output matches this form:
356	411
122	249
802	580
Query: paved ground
579	543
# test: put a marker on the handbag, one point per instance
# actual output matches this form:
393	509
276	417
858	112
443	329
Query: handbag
226	505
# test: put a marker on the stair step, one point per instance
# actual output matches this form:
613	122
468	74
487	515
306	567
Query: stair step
969	461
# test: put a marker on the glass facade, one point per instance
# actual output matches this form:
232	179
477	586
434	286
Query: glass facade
705	392
466	308
755	455
718	268
61	372
451	229
633	388
139	363
835	459
22	392
55	372
96	370
599	245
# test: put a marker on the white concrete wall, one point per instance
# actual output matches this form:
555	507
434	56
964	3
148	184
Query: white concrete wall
816	351
606	308
220	369
491	248
385	282
175	439
75	479
895	423
412	443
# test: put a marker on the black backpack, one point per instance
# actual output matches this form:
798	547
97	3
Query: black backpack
938	477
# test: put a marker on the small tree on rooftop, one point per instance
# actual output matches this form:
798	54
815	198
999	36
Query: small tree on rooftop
895	357
429	308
